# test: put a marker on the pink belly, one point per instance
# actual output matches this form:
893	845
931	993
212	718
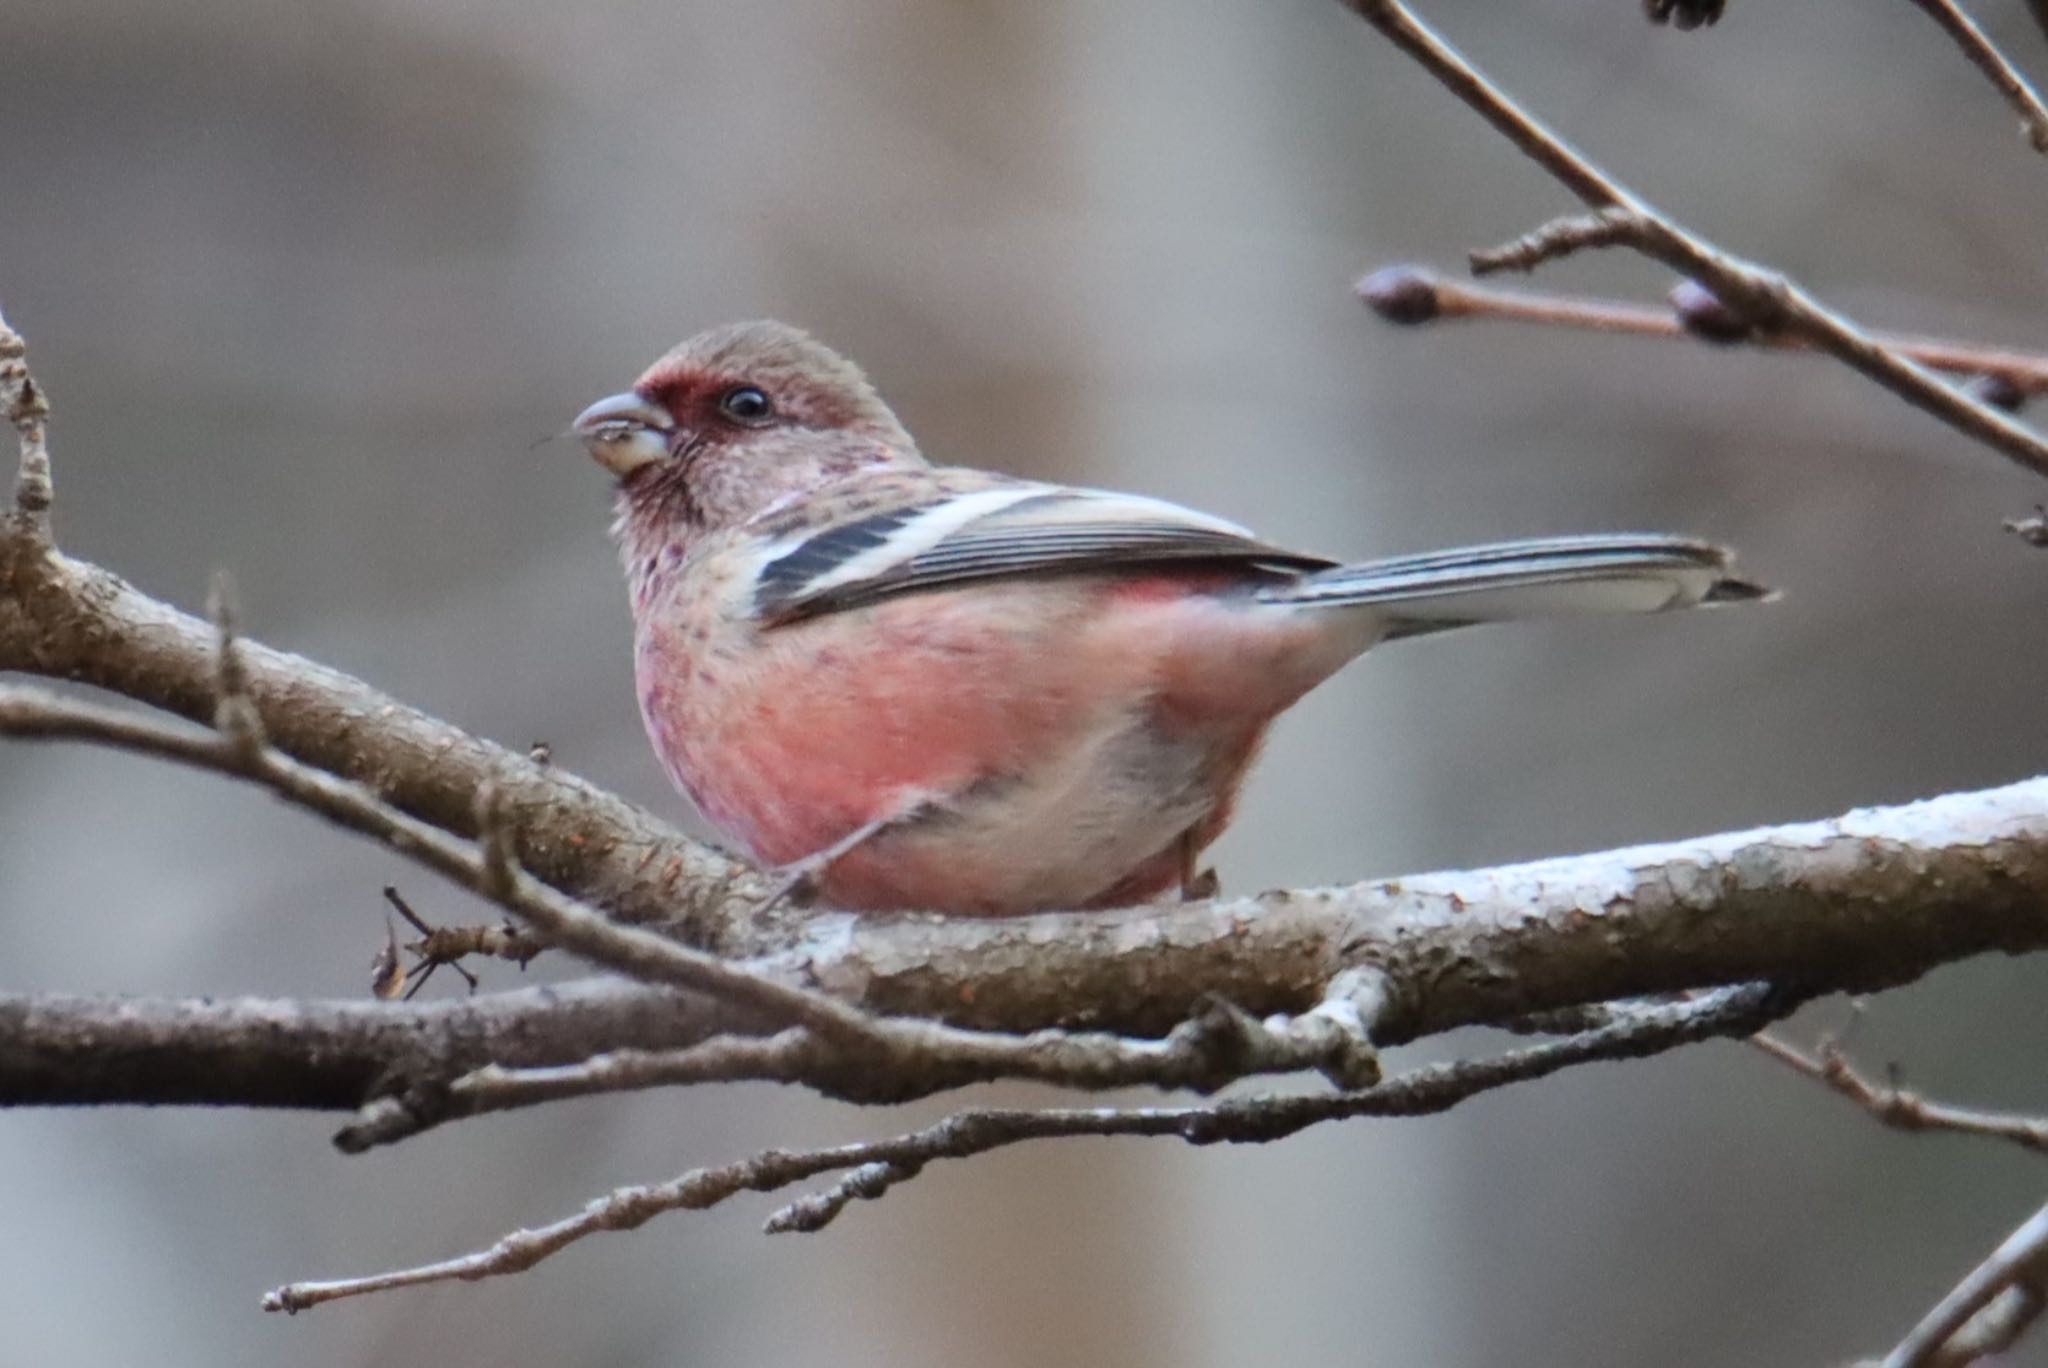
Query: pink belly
1053	739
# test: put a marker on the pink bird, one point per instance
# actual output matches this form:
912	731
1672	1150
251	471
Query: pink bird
911	686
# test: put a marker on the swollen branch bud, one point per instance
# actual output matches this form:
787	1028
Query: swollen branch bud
1999	391
1703	314
1400	294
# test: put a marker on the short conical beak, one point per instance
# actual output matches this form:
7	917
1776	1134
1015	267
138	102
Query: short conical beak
625	432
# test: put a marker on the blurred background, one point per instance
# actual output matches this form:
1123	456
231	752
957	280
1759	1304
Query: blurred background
306	284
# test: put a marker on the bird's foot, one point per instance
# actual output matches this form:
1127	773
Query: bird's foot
798	882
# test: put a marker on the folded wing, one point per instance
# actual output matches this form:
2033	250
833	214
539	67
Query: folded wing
999	532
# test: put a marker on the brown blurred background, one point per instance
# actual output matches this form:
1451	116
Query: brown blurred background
306	282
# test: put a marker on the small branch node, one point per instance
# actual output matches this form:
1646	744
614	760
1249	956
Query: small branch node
808	1215
1340	1027
395	1116
1612	226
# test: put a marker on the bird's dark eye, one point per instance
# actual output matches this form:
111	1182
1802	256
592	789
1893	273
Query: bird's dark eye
746	404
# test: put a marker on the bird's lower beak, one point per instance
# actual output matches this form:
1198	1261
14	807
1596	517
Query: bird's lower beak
624	432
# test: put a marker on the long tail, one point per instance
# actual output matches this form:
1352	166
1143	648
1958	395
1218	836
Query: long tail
1544	577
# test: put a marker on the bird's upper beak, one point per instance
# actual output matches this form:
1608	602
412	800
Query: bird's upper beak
624	432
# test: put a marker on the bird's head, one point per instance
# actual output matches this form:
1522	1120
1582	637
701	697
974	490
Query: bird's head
736	420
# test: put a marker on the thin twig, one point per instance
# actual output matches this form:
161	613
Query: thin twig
1609	227
32	712
28	411
1896	1106
1986	57
1217	1038
1411	295
1988	1309
449	945
1765	298
1724	1012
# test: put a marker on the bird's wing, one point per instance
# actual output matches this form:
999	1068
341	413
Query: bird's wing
997	531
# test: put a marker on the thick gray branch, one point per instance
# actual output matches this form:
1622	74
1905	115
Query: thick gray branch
1865	901
62	1049
1868	900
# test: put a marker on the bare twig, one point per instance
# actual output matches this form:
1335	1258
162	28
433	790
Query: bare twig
1609	227
1764	298
27	411
1897	1107
1215	1046
1989	1309
789	1056
880	1164
1410	294
242	753
868	1183
450	945
1986	57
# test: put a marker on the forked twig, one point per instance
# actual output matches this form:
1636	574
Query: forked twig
1763	298
878	1165
1414	295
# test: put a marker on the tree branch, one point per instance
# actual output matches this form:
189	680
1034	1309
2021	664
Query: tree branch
880	1164
1895	1106
239	749
1869	900
1764	298
1986	57
1989	1309
66	1050
1413	295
